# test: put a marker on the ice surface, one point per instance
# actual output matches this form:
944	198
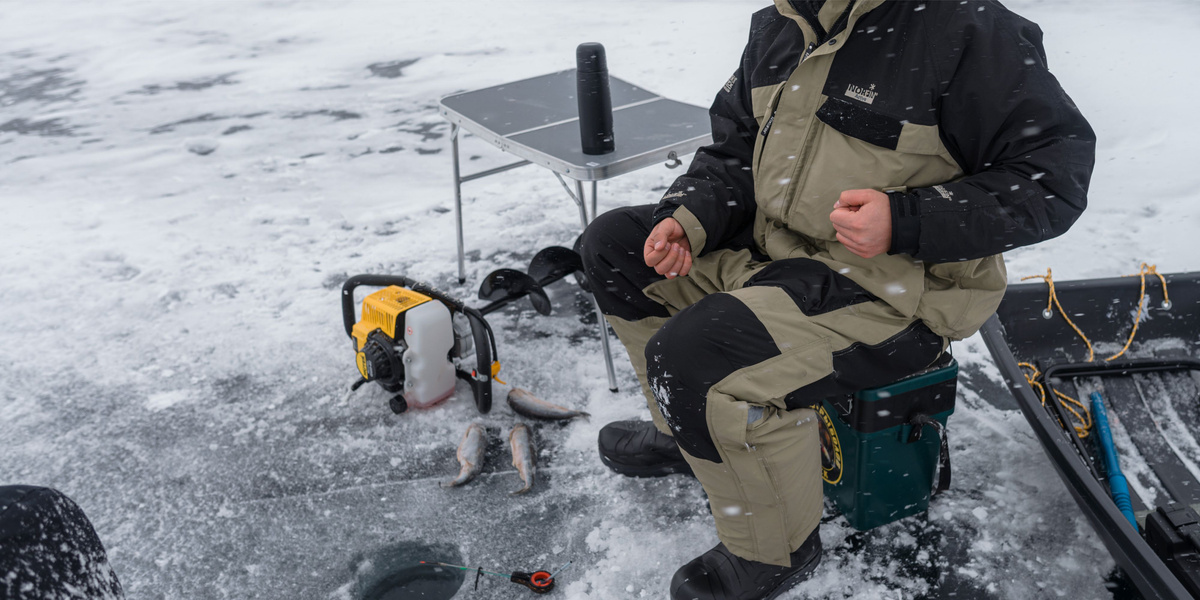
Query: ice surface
186	185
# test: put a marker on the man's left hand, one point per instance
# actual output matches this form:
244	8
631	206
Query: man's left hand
863	220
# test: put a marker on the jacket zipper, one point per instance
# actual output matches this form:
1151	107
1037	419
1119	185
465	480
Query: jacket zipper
766	128
775	101
812	46
794	185
808	51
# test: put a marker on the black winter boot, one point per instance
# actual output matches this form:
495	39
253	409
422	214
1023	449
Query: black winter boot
720	575
639	449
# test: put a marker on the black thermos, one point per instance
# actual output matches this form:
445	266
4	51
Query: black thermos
595	102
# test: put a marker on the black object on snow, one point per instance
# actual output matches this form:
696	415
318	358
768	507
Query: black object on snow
722	575
48	548
1174	533
639	449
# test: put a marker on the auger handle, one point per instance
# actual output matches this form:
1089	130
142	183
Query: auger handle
365	279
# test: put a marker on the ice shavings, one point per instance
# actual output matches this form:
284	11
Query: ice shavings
164	400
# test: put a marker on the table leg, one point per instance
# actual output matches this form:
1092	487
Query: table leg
458	217
594	213
581	200
583	215
577	197
608	361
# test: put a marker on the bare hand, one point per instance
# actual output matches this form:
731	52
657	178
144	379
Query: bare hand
863	221
667	249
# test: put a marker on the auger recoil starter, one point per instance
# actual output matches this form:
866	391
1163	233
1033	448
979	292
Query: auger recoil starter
415	341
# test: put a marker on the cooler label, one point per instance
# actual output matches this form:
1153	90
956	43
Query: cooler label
831	449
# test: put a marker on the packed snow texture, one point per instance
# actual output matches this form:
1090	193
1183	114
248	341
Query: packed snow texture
186	185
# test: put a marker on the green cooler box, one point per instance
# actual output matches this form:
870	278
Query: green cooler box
881	447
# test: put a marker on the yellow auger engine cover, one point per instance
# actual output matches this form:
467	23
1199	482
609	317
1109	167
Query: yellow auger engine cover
415	341
403	342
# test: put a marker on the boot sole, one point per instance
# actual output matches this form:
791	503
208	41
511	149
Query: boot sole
795	579
660	470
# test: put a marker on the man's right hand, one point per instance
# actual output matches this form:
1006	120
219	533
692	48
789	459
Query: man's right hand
667	249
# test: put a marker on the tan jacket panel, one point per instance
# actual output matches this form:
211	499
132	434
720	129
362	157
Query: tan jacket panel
801	165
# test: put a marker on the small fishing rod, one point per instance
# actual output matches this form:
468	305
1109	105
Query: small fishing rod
539	582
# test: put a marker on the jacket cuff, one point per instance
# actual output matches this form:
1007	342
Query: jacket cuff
692	228
906	222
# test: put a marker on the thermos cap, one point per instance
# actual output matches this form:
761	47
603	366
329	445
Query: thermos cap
589	58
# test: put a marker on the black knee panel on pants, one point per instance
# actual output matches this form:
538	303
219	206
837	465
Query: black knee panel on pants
693	351
611	249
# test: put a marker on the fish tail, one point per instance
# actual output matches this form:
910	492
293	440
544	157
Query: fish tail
464	477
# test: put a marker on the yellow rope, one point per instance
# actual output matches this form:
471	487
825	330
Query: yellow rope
1083	416
1053	301
1084	421
1143	271
1031	378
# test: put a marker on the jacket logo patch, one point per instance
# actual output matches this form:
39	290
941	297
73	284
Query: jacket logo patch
729	84
861	94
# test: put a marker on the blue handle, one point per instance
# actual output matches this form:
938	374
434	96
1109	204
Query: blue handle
1117	484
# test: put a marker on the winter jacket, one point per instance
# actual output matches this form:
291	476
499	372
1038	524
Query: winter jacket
947	106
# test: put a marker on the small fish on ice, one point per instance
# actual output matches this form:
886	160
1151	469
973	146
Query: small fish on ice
526	404
519	440
470	455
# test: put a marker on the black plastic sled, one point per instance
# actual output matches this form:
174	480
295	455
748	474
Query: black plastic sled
1152	395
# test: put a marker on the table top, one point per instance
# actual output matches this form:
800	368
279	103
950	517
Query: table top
537	119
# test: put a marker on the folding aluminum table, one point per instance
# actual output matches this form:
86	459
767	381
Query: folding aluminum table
537	121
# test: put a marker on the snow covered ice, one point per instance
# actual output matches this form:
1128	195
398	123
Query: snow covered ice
186	185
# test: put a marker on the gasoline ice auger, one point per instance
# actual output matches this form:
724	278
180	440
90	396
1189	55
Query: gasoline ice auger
414	341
